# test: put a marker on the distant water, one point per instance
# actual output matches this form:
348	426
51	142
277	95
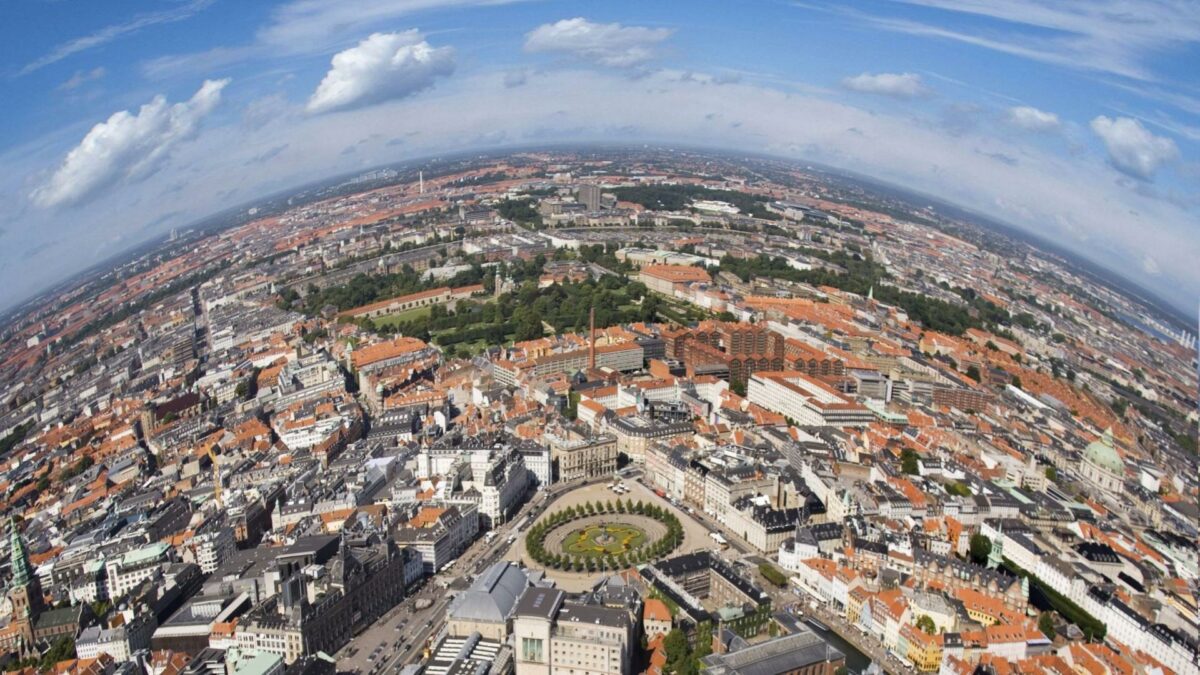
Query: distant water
1137	323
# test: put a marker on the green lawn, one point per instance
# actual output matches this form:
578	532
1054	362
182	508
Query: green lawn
470	348
406	315
597	541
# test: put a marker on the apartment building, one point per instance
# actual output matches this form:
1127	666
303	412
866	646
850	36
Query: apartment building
636	433
439	534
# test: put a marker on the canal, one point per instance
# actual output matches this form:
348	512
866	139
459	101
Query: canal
856	661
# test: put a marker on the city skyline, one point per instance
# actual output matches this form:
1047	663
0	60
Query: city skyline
1076	123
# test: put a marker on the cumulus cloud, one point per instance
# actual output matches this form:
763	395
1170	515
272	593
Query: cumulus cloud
127	146
608	44
1131	148
383	67
1031	119
896	85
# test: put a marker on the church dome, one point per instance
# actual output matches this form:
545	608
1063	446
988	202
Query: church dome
1103	454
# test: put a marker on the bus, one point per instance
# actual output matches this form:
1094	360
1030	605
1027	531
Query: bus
716	536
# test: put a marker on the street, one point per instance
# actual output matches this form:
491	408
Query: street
399	636
784	597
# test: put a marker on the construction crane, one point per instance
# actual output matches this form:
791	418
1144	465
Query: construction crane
216	469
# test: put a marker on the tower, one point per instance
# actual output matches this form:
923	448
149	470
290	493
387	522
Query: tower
25	590
421	182
148	419
589	196
592	339
216	475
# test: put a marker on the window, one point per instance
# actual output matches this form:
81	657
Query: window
531	649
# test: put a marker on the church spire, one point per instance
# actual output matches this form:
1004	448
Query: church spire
995	557
19	556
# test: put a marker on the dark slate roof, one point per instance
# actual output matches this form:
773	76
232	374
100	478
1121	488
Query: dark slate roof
539	602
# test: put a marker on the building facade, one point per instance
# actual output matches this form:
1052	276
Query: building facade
553	635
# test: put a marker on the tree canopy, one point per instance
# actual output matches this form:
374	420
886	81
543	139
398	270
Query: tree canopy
981	548
862	276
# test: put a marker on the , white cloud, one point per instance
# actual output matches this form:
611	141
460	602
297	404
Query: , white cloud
896	85
1131	148
127	146
305	27
1120	37
114	32
1031	119
382	67
82	77
608	44
1150	265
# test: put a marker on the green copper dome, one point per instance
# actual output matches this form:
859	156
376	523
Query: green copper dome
1103	454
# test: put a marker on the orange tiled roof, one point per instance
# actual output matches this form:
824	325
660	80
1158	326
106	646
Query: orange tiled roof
656	610
385	350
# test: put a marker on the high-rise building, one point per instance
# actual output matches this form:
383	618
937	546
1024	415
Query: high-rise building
589	196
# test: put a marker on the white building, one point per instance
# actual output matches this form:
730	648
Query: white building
213	548
134	567
807	401
119	642
537	461
501	479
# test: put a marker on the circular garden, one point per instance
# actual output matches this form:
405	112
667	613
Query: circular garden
598	536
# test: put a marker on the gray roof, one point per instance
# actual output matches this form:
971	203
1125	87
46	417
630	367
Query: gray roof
493	595
779	655
605	616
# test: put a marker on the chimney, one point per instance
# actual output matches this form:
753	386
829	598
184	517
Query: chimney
592	339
